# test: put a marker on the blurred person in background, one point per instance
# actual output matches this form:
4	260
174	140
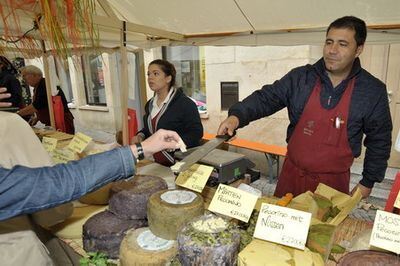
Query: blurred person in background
33	76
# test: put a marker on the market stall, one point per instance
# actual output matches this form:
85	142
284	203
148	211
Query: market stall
176	228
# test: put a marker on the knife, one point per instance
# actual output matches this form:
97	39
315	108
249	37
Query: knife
200	152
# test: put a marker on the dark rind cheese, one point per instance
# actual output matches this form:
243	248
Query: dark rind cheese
166	219
128	199
200	248
369	257
104	232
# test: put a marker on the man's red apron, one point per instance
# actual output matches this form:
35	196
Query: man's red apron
318	150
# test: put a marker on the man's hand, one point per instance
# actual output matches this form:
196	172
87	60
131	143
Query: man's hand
365	192
228	126
161	140
4	95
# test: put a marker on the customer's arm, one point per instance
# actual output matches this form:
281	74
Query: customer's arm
26	190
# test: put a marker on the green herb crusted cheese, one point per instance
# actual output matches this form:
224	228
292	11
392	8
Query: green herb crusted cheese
208	240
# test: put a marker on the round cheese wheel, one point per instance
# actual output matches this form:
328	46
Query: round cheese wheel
369	257
72	227
142	247
169	210
98	197
128	198
104	232
208	240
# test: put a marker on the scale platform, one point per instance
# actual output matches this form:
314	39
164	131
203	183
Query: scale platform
228	166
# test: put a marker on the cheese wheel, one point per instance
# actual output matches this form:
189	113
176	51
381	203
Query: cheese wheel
208	240
257	251
72	227
169	210
98	197
142	247
104	232
128	199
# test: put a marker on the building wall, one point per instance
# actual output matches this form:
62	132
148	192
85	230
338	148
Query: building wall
98	118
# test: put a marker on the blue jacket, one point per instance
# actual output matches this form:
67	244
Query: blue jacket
26	190
369	110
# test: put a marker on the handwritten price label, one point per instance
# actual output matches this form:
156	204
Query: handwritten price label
283	225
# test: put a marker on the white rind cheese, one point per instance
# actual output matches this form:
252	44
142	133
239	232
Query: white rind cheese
141	247
166	218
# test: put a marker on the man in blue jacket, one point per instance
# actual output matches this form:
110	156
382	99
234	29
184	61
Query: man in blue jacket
331	105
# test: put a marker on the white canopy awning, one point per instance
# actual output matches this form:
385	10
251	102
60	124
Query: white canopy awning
152	23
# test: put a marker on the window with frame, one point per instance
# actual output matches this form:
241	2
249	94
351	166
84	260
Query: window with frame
64	78
189	63
229	94
93	77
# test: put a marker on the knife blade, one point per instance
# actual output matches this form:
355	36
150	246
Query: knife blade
200	152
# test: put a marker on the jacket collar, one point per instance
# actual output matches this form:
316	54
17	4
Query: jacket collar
319	66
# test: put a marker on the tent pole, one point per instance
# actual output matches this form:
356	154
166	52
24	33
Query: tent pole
124	86
48	86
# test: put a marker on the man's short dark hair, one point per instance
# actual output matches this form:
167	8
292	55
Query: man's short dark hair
354	23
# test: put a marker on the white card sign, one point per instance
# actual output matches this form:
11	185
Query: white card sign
283	225
386	231
233	202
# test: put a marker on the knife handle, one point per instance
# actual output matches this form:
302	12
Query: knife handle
226	136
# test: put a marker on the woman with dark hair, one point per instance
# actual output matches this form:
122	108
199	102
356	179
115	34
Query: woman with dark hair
169	109
9	81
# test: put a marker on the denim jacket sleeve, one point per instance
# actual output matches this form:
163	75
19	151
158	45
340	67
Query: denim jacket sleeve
27	190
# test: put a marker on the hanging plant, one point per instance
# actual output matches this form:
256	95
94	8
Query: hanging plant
61	24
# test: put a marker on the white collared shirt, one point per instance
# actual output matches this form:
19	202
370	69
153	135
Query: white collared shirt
156	108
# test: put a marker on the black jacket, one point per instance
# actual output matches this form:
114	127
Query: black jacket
13	86
179	114
369	110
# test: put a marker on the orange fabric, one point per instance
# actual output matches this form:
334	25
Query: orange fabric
252	145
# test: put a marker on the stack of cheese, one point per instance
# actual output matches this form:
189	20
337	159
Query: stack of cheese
127	210
167	212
